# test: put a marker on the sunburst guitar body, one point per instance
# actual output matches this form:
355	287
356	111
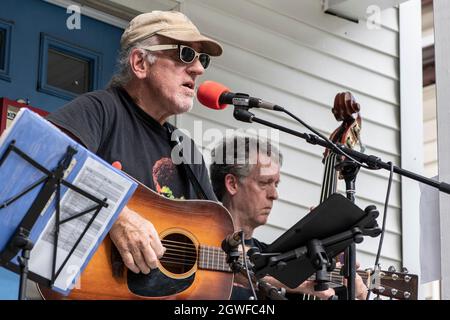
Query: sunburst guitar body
193	266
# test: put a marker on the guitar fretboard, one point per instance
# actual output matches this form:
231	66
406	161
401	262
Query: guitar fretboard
212	258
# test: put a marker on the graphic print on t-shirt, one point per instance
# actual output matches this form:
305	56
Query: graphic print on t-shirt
165	177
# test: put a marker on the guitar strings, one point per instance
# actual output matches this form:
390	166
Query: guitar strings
176	262
338	279
363	275
183	243
180	249
386	289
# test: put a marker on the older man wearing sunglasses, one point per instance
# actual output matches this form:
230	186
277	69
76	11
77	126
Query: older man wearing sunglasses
162	55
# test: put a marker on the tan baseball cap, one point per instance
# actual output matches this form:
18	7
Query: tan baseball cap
170	24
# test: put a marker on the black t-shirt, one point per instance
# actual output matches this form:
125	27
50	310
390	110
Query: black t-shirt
111	125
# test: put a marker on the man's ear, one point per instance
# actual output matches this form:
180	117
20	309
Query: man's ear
231	184
137	63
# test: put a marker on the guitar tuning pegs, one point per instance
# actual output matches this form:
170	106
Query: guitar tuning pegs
407	278
392	269
395	276
394	292
404	270
406	295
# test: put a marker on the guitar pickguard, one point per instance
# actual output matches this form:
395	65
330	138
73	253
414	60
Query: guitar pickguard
157	284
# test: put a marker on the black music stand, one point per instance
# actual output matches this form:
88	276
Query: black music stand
311	244
51	184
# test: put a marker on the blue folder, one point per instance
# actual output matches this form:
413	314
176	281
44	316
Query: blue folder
47	145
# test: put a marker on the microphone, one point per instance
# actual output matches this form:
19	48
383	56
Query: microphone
216	96
232	241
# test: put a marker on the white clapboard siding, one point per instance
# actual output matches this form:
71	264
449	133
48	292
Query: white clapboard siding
291	53
310	12
298	96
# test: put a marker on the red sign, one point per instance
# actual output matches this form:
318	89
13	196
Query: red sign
9	110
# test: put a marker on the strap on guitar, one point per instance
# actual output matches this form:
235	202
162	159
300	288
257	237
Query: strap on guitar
185	167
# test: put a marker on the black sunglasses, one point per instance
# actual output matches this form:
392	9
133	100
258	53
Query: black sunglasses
187	54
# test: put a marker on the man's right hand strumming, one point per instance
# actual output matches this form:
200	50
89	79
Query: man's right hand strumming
137	241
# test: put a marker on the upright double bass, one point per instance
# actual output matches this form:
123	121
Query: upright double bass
345	110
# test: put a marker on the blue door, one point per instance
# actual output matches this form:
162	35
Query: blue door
38	41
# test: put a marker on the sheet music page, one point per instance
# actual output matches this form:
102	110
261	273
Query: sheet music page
101	182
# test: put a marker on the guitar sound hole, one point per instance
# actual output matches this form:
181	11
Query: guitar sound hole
180	255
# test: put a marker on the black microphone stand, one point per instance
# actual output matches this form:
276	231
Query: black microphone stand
266	289
349	170
373	162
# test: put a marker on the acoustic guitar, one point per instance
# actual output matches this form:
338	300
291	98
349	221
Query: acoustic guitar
191	268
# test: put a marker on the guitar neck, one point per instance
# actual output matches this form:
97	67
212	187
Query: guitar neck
336	277
213	258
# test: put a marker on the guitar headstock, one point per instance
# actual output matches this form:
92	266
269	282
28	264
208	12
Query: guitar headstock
393	284
346	109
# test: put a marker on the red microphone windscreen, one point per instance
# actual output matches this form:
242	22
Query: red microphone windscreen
209	92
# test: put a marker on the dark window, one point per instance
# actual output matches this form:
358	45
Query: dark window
5	47
2	48
68	72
